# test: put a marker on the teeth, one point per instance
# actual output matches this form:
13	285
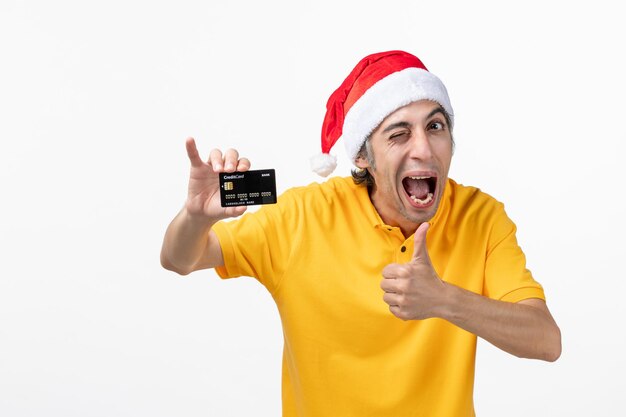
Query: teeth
419	178
427	200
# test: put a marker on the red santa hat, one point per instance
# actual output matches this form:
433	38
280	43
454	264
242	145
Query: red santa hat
380	84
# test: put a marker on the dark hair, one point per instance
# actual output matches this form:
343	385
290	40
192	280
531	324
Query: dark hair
362	175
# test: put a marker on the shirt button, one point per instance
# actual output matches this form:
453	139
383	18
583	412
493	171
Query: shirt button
403	249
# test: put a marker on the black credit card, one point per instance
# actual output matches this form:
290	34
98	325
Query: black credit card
248	188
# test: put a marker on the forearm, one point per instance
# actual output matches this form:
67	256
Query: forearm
523	330
190	245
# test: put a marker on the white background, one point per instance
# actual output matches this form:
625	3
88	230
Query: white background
97	98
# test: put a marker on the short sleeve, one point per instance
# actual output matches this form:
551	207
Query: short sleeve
506	275
256	244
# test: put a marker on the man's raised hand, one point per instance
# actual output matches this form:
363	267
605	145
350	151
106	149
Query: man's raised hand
413	290
203	197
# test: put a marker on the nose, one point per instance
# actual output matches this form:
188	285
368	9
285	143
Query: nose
420	146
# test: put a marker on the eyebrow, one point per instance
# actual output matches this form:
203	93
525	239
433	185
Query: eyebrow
395	126
407	124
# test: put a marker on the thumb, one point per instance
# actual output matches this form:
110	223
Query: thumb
420	252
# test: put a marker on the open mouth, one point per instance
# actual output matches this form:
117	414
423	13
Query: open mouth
421	189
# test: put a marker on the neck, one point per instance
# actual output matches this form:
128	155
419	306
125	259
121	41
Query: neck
391	216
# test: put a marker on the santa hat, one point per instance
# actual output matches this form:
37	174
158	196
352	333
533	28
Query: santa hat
380	84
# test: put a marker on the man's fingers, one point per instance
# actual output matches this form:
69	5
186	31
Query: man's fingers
399	312
231	159
216	160
392	271
192	153
227	162
388	285
420	253
235	211
392	299
243	165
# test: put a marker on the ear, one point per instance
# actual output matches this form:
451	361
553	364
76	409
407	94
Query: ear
361	162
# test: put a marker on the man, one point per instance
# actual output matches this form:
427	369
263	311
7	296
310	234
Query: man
383	281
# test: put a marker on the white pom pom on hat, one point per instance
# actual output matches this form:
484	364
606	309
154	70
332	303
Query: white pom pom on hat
380	84
323	164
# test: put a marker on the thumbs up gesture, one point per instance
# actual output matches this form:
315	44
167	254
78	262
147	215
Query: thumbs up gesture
414	291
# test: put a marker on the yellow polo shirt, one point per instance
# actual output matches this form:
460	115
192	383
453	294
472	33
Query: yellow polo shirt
320	252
